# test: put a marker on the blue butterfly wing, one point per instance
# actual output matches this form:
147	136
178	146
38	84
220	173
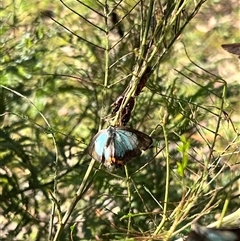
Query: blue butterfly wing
199	232
128	143
117	145
136	138
97	145
102	147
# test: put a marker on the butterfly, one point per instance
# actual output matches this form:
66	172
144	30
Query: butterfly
232	48
115	146
201	233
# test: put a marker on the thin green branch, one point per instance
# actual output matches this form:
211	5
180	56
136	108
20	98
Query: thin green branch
218	122
79	194
56	156
97	12
85	19
79	37
165	206
120	20
129	195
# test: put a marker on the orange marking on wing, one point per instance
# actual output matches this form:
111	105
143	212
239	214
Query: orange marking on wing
120	162
112	160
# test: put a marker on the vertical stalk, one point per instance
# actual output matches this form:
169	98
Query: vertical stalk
106	11
165	205
85	182
129	201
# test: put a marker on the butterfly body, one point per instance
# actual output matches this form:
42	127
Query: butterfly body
118	145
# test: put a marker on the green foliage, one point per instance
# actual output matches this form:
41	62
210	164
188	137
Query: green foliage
184	149
62	66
